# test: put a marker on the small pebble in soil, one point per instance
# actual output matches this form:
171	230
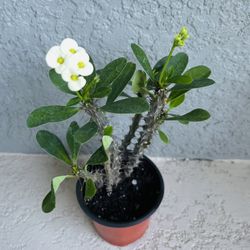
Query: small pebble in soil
134	182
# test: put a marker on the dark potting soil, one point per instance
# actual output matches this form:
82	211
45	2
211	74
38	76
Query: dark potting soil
131	199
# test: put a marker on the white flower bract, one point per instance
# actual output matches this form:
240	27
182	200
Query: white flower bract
75	82
56	59
80	63
70	47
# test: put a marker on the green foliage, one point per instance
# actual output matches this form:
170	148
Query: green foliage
142	59
163	137
110	72
200	83
178	64
47	114
121	81
196	115
73	101
183	79
90	189
108	130
49	201
57	80
98	157
175	94
198	72
101	92
53	145
172	68
86	132
138	81
106	141
132	105
177	101
73	144
159	65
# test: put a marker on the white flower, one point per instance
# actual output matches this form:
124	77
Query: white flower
69	47
56	59
75	82
80	63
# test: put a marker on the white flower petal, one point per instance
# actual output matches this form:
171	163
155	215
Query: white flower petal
76	59
81	49
66	75
77	85
87	70
60	68
67	45
51	57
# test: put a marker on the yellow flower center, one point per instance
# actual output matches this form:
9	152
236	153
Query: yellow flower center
74	77
60	60
72	50
81	65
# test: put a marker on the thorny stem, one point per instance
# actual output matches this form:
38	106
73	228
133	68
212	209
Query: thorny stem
131	133
152	122
110	166
97	116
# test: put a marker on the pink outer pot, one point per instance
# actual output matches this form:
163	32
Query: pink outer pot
122	236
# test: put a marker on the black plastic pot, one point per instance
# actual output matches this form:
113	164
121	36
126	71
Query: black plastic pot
123	233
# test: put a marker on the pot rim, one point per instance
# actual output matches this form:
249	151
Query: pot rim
140	219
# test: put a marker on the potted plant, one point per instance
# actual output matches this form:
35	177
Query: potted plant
118	187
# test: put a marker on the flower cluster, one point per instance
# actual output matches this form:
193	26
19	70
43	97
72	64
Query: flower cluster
180	38
72	62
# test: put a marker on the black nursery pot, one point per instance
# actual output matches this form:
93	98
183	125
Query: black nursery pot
123	217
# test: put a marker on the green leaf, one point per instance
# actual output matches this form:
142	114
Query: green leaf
110	72
142	59
183	122
195	115
101	92
59	82
73	101
138	81
163	137
85	133
121	81
177	62
106	141
47	114
132	105
198	72
53	145
159	65
98	157
90	189
183	79
73	144
176	94
195	84
108	130
177	102
49	201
